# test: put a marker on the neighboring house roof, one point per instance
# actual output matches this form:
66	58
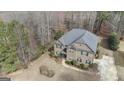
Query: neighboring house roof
80	36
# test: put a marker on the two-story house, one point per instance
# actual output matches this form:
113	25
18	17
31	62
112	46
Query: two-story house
78	44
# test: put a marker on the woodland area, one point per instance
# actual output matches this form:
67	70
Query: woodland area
26	35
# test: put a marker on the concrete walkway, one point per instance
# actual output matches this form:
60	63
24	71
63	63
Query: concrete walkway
107	68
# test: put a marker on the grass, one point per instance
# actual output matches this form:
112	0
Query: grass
8	68
119	58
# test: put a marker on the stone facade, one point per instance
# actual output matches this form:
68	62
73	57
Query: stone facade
58	48
77	51
80	53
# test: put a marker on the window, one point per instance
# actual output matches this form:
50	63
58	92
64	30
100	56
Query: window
88	62
87	53
83	53
79	59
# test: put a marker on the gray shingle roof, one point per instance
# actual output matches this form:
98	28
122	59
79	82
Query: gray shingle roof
81	36
71	36
90	39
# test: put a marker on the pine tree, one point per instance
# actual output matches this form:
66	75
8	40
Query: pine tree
113	41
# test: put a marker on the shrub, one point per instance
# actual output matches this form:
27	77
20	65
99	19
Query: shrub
8	68
71	62
113	41
67	62
82	66
91	65
58	35
51	49
85	66
51	54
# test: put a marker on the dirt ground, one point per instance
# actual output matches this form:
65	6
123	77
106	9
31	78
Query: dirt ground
120	72
120	66
121	46
61	73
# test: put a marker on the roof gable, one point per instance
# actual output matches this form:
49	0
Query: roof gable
71	36
81	36
90	40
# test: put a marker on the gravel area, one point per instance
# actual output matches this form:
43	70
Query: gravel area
61	73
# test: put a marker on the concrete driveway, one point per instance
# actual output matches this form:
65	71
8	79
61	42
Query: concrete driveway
61	73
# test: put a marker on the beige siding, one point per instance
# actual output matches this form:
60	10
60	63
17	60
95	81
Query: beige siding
76	54
71	54
81	46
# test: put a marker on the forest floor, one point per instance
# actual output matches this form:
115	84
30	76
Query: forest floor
119	59
121	46
61	73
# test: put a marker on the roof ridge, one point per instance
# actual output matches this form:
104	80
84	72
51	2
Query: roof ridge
78	38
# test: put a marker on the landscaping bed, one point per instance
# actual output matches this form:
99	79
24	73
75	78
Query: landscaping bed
88	67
